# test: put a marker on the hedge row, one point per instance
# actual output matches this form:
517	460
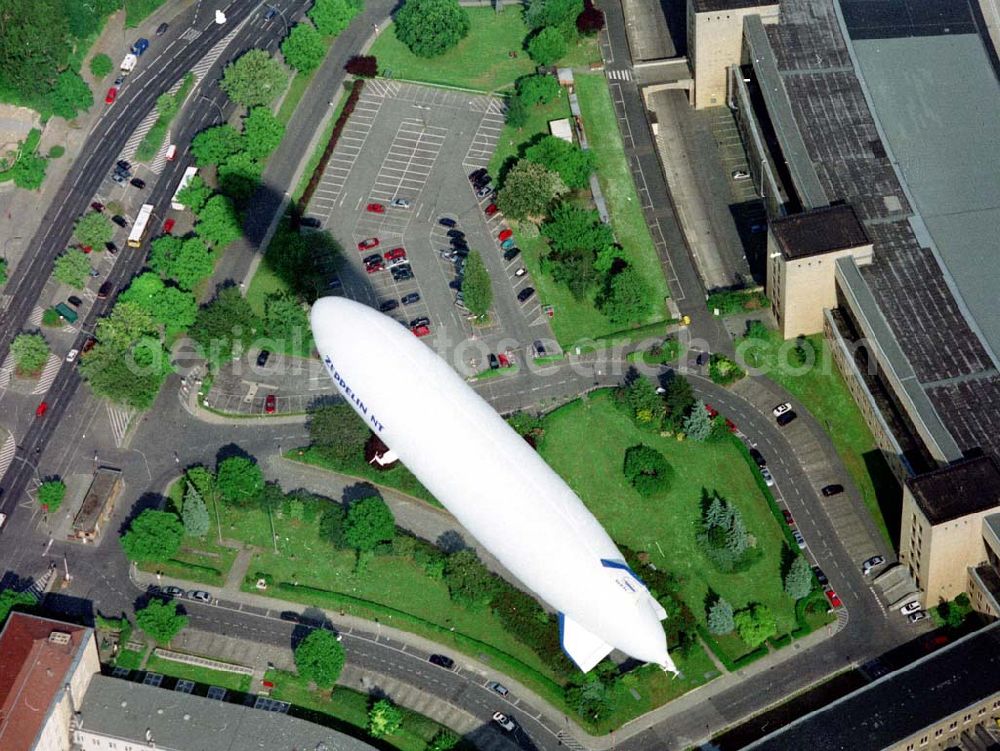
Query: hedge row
317	175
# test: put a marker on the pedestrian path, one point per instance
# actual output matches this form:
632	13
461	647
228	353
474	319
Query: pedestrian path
6	371
35	320
619	75
7	452
119	417
48	375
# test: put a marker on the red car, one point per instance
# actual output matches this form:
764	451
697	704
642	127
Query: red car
371	242
97	206
168	225
111	95
832	597
375	208
269	404
788	517
505	234
86	248
42	409
504	362
491	209
712	411
375	266
421	330
395	254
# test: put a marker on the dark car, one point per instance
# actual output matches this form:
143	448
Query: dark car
402	273
110	247
140	46
420	321
138	183
494	362
411	298
120	220
291	616
105	290
785	418
455	233
446	222
172	591
310	221
75	301
373	258
123	166
271	13
498	688
386	305
478	174
441	661
820	576
455	284
97	206
162	29
459	242
525	294
758	458
262	358
829	490
511	254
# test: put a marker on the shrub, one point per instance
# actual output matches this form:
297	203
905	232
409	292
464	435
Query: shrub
363	66
57	151
724	371
100	65
720	617
648	470
431	27
538	89
755	624
51	317
547	46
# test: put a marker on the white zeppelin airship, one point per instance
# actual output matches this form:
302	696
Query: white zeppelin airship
493	482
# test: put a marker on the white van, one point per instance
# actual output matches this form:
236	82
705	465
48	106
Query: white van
171	152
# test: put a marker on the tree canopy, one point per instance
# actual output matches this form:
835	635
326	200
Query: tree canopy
698	424
262	132
153	536
161	620
73	268
755	624
194	195
216	144
477	285
31	352
100	65
93	229
332	16
470	583
223	324
384	718
799	579
337	432
195	513
569	161
218	223
254	79
10	599
547	46
554	13
720	617
51	494
320	658
528	191
369	522
538	89
647	470
431	27
625	298
303	48
239	480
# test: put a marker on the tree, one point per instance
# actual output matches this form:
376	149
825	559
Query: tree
226	323
51	494
625	298
698	424
570	228
175	308
431	27
218	223
720	617
517	112
166	107
799	579
30	352
574	268
254	79
161	620
477	286
93	229
194	513
724	371
528	191
163	252
239	480
678	399
303	48
319	658
547	46
569	161
216	144
100	65
369	522
557	13
153	536
9	599
71	94
591	20
647	470
384	718
538	89
591	699
142	292
639	397
239	176
331	526
299	260
29	171
73	268
194	195
338	433
285	318
194	263
362	66
470	583
443	740
263	132
755	624
331	16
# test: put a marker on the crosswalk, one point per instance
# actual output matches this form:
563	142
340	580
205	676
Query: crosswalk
623	74
48	375
7	452
132	144
6	371
119	417
35	319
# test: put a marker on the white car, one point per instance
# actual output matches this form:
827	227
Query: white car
911	607
918	616
799	539
504	721
400	203
868	566
71	355
781	409
740	174
768	477
3	518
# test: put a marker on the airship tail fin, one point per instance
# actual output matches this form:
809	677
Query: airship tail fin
583	647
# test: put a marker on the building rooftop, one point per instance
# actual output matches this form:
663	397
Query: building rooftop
938	330
711	6
811	233
900	704
101	491
37	656
966	487
117	708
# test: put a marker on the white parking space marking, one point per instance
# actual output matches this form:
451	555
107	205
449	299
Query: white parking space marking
487	134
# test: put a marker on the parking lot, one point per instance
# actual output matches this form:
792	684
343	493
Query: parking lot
416	145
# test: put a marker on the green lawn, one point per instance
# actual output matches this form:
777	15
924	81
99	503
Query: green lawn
128	659
481	61
232	681
665	526
822	391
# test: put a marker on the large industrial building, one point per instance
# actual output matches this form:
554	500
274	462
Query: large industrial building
873	134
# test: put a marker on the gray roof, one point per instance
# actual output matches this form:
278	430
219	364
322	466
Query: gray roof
900	704
963	488
711	6
125	710
824	230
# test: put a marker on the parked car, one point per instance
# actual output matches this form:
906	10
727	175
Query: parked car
169	225
781	409
786	418
173	591
455	233
768	477
872	563
262	357
388	305
832	597
140	46
102	293
410	298
788	517
820	576
402	273
375	208
123	165
504	360
421	331
75	301
498	688
368	243
138	183
111	247
270	403
520	271
478	174
505	234
420	321
507	244
97	206
310	221
161	29
88	345
504	721
112	94
120	221
525	294
447	222
270	13
373	258
917	616
484	191
392	255
375	266
400	203
290	615
442	661
71	355
200	595
538	348
830	490
758	458
799	539
493	361
911	607
118	178
740	174
491	209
